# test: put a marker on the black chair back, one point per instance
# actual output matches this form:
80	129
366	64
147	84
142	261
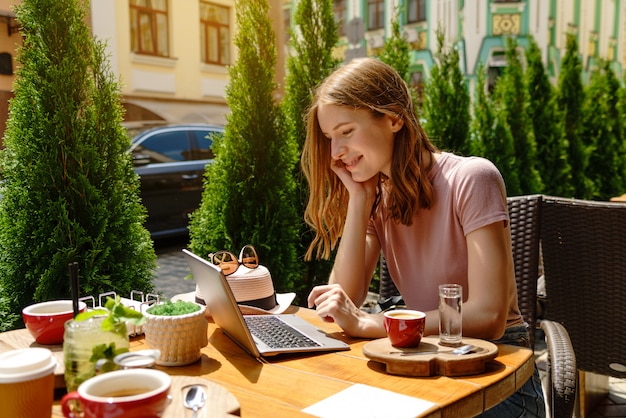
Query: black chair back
584	261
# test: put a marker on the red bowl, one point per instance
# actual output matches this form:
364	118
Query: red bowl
46	320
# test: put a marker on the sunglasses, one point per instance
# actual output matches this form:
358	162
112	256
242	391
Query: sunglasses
229	263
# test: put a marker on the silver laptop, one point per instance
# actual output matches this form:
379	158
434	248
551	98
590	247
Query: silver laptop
260	335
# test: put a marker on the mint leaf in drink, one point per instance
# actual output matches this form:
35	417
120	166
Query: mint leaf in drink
121	313
115	313
108	352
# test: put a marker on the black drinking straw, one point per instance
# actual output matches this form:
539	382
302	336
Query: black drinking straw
73	268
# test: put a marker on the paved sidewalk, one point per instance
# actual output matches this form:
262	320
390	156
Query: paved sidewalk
172	270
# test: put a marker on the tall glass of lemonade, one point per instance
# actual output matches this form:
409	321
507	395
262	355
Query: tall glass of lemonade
85	342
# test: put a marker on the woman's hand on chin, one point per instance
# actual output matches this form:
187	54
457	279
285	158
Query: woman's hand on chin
367	188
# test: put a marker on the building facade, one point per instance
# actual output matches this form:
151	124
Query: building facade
172	56
10	40
478	28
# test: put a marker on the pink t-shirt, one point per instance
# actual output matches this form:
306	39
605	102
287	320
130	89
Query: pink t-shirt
469	194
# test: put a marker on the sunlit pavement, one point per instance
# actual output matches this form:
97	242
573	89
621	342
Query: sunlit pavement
172	269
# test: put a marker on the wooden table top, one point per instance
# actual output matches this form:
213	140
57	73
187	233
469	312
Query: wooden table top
285	385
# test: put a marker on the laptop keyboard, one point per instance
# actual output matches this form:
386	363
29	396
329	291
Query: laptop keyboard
275	333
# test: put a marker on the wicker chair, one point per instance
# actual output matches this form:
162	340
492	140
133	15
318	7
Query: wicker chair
584	260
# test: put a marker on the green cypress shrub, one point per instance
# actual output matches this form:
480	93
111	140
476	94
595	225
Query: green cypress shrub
492	137
552	164
396	52
69	192
310	61
511	98
249	191
621	118
570	98
447	102
396	49
601	127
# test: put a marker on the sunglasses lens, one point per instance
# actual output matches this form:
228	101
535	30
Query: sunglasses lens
249	257
226	261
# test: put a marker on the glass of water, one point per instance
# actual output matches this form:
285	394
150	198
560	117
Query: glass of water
450	315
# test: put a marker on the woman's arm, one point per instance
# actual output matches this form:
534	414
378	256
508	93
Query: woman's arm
357	253
490	269
355	261
490	275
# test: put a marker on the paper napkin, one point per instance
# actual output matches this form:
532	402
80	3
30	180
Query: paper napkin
368	402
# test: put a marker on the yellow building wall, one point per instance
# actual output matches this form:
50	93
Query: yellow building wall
181	76
8	43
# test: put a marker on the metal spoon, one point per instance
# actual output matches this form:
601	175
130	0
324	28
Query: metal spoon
194	398
464	349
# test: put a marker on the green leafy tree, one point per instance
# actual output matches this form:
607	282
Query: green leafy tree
396	50
601	126
312	41
551	156
570	98
447	102
492	137
249	191
69	190
511	98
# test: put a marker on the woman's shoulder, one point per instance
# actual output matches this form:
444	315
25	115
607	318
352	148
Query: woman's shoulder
466	167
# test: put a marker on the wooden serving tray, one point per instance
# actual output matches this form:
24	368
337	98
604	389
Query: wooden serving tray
435	360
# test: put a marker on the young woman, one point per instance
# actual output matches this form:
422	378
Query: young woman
378	183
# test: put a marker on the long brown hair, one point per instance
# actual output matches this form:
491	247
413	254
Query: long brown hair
364	83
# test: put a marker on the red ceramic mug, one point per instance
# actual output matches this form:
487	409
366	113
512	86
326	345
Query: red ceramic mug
46	320
130	393
405	327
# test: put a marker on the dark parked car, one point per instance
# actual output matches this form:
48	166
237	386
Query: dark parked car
170	161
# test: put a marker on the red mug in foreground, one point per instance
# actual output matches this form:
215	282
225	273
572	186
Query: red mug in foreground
405	327
130	393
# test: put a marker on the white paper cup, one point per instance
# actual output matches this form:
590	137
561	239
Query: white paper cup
27	383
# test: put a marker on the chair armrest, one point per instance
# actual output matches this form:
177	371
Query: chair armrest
561	371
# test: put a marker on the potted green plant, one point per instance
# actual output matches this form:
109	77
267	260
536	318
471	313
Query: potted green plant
178	329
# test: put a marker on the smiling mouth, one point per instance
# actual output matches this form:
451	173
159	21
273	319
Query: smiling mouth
352	163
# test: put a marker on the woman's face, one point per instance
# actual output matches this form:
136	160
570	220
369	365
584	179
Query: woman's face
363	144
